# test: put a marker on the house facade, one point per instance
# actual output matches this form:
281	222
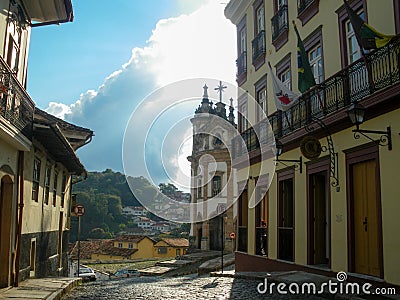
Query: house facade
37	159
170	247
331	203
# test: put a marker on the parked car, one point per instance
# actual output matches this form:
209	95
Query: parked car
126	273
86	274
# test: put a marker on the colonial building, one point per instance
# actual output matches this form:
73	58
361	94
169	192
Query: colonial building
171	247
37	154
335	209
212	190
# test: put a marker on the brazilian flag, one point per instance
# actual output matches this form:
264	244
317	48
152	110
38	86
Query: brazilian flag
305	75
367	37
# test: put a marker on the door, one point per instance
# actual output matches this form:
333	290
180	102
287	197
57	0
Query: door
365	218
215	233
318	218
6	193
286	220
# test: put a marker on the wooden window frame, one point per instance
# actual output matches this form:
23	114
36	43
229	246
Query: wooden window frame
396	8
260	85
36	179
241	77
309	12
55	182
356	5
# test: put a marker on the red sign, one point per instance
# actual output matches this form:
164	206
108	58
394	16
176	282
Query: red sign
79	210
232	235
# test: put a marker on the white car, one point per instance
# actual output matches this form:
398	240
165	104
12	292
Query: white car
86	274
125	273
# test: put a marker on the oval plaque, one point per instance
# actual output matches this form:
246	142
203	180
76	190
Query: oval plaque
310	147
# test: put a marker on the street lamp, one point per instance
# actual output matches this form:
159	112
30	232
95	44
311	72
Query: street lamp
279	150
356	114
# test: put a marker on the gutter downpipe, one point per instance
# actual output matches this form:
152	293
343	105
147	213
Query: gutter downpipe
19	219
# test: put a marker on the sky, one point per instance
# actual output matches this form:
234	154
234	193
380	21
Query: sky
95	71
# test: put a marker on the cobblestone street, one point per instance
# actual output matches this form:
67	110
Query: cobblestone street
185	287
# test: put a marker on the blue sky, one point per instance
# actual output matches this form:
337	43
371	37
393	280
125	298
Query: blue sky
97	69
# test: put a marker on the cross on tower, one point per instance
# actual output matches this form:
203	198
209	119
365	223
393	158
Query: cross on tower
220	89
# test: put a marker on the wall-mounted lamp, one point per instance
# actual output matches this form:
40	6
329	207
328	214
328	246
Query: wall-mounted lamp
356	114
279	149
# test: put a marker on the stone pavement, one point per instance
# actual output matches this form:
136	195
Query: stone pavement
300	278
215	264
187	264
43	288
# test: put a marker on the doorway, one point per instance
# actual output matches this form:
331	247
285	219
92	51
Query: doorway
6	194
318	219
215	233
365	218
286	219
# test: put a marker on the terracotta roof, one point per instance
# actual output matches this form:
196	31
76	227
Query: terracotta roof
176	242
131	238
87	248
109	249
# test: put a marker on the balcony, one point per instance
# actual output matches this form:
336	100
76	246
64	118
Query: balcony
306	9
241	64
374	79
15	104
279	25
258	45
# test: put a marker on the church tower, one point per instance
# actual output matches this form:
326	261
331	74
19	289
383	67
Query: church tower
212	186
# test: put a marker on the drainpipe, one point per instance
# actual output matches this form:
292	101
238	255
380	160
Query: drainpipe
19	220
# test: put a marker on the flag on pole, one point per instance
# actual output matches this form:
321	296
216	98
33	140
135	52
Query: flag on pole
283	97
367	36
305	75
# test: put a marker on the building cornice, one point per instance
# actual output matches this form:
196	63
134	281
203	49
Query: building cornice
235	10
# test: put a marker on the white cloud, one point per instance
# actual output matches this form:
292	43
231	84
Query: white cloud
200	44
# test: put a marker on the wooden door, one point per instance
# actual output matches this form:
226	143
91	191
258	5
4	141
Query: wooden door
365	219
286	220
320	219
6	192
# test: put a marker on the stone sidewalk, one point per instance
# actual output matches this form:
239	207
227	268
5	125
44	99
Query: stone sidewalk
43	288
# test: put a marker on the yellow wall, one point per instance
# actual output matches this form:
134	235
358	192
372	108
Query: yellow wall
126	245
33	211
145	249
171	251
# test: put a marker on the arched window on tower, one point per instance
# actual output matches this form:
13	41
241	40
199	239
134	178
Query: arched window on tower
216	185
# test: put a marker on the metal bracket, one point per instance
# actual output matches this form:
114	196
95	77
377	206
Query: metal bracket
333	156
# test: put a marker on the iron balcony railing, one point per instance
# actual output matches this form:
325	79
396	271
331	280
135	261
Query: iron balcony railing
279	22
258	45
241	63
302	5
15	104
375	71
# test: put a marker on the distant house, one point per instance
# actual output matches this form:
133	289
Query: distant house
170	247
134	211
125	247
145	223
163	227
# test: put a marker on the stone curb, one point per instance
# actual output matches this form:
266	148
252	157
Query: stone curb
59	293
